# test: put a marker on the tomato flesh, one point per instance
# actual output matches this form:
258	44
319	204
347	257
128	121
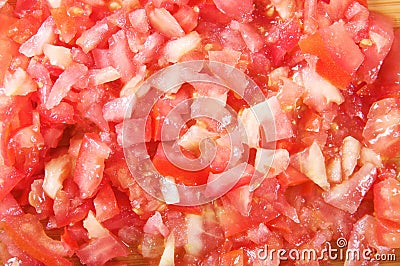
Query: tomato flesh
324	166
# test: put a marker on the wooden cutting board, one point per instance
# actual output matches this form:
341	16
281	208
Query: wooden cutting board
389	8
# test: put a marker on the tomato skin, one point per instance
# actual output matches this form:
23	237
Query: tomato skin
186	209
166	168
187	18
25	230
292	177
326	66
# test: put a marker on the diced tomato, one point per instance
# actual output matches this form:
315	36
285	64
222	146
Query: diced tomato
9	207
99	250
185	209
165	23
64	83
349	194
326	66
155	225
25	230
382	127
39	200
240	10
283	38
139	20
105	203
250	36
390	70
120	54
115	110
92	37
386	200
298	174
166	168
292	177
24	28
364	235
9	177
234	257
388	233
175	49
311	162
294	233
261	209
9	50
18	83
187	18
63	113
45	34
90	164
381	35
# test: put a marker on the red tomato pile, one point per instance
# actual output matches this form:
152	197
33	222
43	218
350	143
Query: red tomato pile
70	68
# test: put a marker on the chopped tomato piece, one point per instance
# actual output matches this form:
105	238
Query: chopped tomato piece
387	200
234	257
90	164
25	230
325	66
9	178
105	204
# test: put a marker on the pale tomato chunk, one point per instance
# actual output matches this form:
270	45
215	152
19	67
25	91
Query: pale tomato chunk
58	55
56	171
348	195
64	83
90	38
155	225
161	20
90	165
34	45
311	162
319	93
350	152
175	49
18	83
